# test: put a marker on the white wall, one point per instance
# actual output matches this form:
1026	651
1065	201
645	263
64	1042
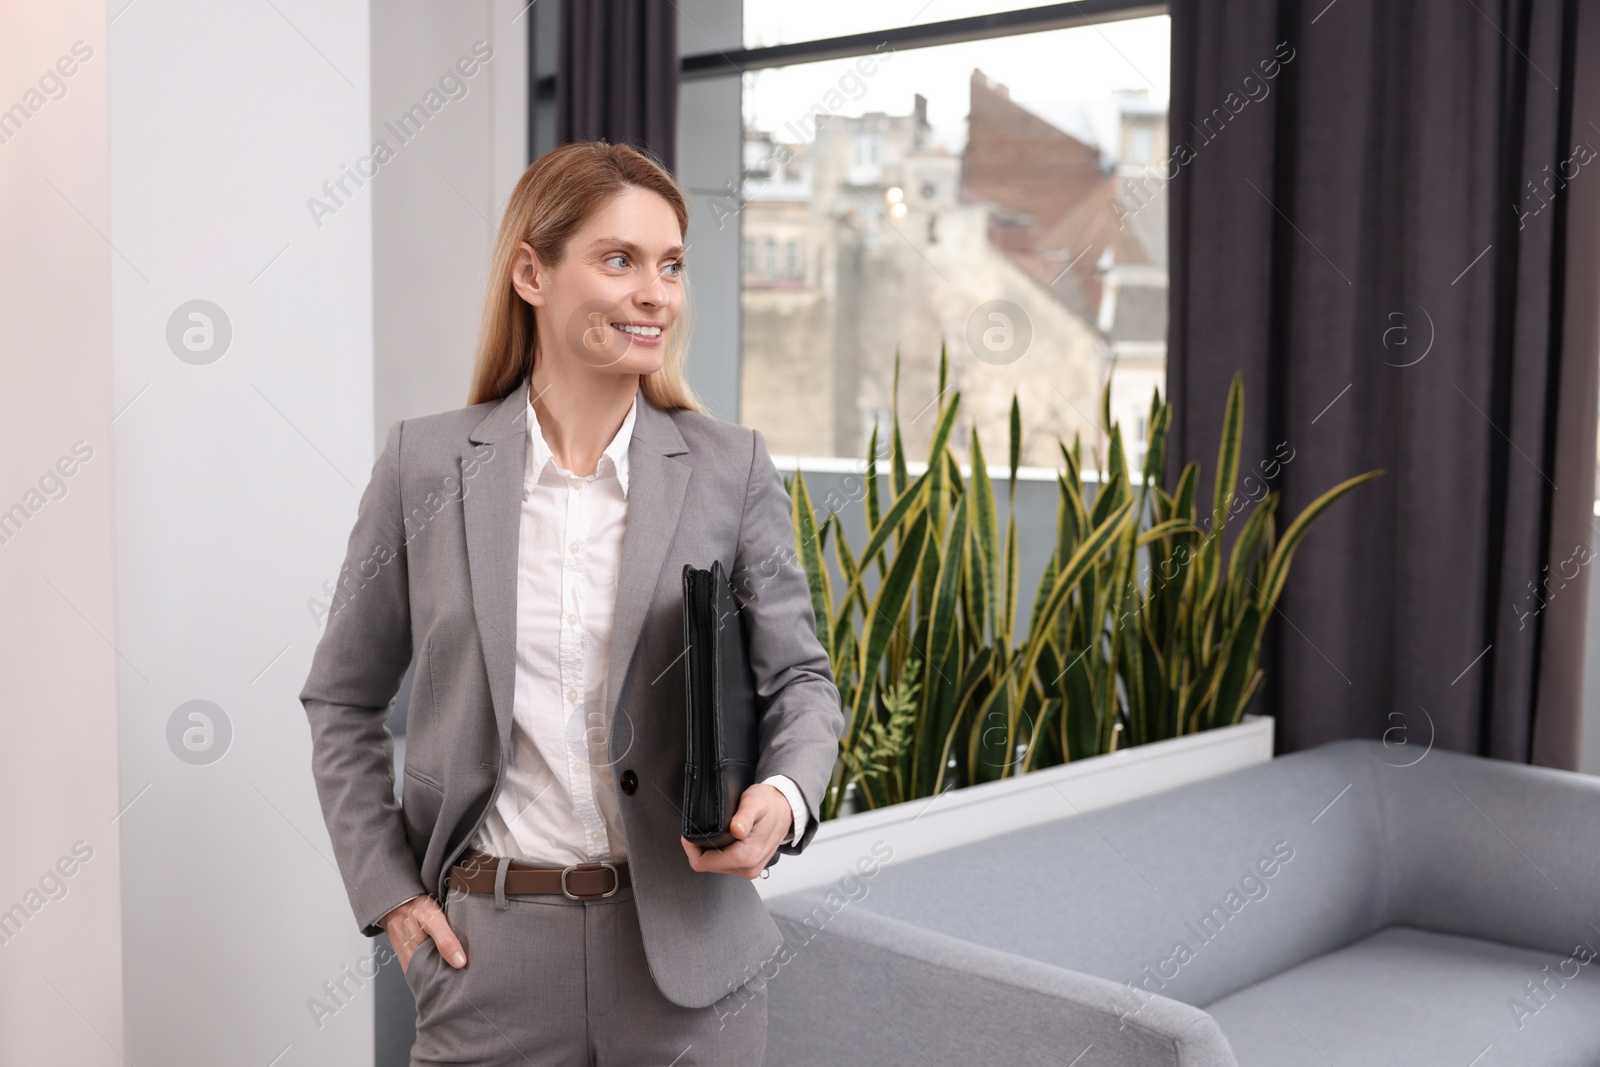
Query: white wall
178	167
236	485
437	205
60	954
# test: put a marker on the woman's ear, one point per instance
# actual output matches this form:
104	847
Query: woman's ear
527	277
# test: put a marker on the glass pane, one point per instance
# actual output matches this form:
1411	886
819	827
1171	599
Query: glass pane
1007	196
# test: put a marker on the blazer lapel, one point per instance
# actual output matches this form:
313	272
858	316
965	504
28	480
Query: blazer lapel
657	484
492	510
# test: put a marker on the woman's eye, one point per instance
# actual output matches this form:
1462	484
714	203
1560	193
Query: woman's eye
676	268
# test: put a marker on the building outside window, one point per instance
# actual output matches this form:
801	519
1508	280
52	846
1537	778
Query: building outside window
1006	195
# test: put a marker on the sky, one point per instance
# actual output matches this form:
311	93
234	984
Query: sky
1064	76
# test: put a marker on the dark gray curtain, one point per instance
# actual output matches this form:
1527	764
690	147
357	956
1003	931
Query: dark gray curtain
1371	221
618	74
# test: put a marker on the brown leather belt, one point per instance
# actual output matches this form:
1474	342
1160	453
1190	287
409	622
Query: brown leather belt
580	881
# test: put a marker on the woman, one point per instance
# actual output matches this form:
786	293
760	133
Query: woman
527	552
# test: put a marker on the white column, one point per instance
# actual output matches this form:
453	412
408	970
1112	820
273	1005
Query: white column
61	982
186	423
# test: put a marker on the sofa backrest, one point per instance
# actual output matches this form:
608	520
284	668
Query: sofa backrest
1191	893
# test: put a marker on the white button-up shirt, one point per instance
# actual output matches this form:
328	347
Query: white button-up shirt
558	802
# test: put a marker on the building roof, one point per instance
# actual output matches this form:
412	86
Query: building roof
1063	231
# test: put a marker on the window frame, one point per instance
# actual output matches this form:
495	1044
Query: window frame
734	62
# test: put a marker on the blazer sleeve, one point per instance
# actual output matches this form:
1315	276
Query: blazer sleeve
355	673
803	720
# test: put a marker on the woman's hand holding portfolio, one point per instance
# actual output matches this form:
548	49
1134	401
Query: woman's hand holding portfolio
414	922
761	824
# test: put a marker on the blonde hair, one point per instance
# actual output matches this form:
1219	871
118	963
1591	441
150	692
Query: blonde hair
551	201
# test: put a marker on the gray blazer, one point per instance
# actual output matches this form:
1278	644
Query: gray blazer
430	574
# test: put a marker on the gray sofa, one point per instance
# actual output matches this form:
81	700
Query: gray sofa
1349	905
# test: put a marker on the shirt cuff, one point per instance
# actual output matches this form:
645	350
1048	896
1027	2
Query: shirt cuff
797	804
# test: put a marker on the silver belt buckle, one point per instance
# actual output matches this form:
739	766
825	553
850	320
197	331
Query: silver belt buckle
616	881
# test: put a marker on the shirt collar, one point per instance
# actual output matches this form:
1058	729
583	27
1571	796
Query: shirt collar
615	454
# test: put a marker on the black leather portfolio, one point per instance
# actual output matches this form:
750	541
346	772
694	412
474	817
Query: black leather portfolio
722	712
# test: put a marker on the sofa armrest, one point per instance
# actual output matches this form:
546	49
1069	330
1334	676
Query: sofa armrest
1491	849
851	986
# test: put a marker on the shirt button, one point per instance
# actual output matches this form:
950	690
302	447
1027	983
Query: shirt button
577	483
572	618
630	782
572	694
573	546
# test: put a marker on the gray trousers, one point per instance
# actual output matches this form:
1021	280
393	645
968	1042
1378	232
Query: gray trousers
556	982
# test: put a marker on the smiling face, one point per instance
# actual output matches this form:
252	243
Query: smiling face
611	304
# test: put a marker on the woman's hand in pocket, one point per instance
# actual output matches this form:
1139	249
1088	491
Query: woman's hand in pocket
414	922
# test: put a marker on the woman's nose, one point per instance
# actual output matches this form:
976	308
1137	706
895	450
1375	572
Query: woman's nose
653	292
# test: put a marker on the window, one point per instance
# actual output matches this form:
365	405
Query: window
864	148
1005	194
1142	140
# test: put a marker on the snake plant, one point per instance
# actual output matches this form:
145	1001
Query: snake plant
1140	629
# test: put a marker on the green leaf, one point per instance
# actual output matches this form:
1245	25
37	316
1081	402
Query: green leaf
1167	529
1009	610
881	533
1244	547
1082	720
1016	443
988	536
1070	574
1228	453
1242	648
976	675
897	460
809	544
843	632
1283	555
882	621
871	482
1155	464
942	619
1046	580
